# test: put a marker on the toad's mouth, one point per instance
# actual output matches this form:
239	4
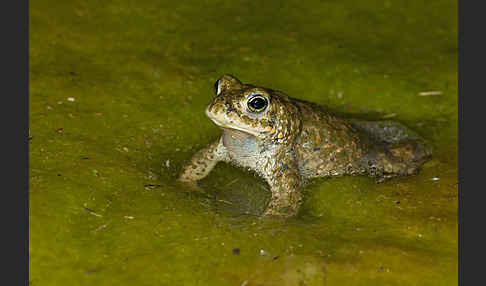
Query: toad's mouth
226	123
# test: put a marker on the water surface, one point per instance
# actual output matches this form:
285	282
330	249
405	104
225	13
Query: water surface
117	97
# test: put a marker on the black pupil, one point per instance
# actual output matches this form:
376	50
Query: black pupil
258	103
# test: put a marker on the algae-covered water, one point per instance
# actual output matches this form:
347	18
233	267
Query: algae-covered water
117	97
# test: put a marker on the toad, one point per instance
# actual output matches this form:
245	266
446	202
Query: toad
288	141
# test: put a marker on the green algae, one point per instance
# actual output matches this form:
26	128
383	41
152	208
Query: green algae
104	207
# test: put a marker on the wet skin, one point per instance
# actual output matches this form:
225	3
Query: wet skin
287	141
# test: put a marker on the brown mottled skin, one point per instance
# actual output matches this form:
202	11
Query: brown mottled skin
287	141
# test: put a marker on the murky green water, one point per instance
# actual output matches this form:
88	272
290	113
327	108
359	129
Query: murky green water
104	208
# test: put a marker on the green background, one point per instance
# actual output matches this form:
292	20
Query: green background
104	206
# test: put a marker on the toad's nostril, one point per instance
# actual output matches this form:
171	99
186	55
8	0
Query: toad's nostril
210	108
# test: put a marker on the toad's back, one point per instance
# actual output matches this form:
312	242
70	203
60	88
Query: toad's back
329	145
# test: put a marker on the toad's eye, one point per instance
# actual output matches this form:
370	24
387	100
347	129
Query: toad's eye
217	87
257	103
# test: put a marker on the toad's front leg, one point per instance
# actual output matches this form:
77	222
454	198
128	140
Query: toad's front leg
285	183
203	162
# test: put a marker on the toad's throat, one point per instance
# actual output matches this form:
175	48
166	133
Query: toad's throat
240	143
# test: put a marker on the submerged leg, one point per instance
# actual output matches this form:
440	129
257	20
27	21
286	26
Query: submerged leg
401	150
203	162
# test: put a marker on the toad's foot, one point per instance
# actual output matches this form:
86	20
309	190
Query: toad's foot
192	186
202	163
